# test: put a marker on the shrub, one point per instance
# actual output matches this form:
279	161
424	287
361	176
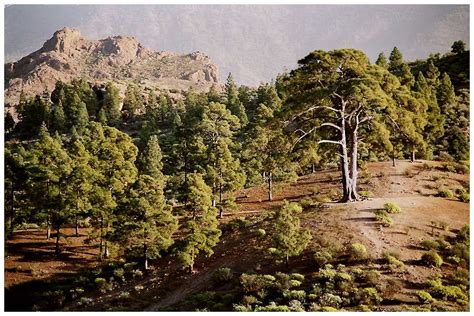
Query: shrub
241	308
222	275
327	274
446	193
322	257
357	251
462	169
299	295
444	156
322	199
371	277
430	244
137	273
328	309
261	232
463	235
443	244
296	306
294	283
272	307
253	283
236	224
424	297
432	258
464	197
331	300
297	276
394	263
367	194
306	202
249	300
384	218
119	273
370	296
391	208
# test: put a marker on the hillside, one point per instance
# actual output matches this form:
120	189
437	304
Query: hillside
243	249
68	55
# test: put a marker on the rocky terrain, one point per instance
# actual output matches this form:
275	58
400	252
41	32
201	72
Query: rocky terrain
68	55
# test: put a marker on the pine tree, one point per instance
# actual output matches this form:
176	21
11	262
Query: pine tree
132	102
290	239
223	172
200	232
49	168
147	223
111	105
151	164
81	119
232	101
382	61
114	158
458	47
395	61
58	120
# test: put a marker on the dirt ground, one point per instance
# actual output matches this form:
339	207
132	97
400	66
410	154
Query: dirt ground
411	186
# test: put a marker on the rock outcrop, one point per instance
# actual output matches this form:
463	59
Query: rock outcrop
68	55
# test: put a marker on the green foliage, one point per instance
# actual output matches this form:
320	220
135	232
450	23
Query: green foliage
446	193
384	218
201	233
290	239
430	244
357	251
425	297
391	208
432	258
222	275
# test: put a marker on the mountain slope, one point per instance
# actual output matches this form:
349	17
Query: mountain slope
68	55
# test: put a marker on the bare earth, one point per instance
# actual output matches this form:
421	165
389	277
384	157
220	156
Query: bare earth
408	185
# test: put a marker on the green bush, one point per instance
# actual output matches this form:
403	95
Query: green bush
432	258
394	263
297	276
370	296
367	194
383	217
446	193
357	251
294	283
391	208
272	308
463	235
322	257
424	297
464	197
322	199
137	273
306	202
253	283
222	275
330	300
261	232
299	295
430	244
462	169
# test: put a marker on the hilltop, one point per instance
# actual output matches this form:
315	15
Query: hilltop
68	55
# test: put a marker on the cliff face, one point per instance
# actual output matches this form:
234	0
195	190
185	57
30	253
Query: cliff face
68	55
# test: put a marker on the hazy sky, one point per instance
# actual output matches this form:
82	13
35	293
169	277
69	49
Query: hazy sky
254	42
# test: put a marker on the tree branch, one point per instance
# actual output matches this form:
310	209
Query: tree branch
332	125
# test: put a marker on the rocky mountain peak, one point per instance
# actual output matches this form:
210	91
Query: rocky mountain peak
68	55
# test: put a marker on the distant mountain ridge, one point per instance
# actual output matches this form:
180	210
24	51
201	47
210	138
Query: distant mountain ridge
68	55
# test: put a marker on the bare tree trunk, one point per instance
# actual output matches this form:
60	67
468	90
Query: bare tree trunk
313	168
57	250
101	236
346	179
77	227
106	243
270	186
393	157
354	172
48	218
145	256
413	158
12	210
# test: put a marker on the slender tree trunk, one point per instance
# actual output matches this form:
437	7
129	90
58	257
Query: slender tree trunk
106	243
270	186
12	209
77	227
313	168
346	179
48	228
58	250
101	237
287	261
145	256
354	172
48	217
413	157
393	157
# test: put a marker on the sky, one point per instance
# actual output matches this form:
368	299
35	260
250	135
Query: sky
254	42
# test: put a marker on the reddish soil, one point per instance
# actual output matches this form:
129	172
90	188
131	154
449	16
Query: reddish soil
410	186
